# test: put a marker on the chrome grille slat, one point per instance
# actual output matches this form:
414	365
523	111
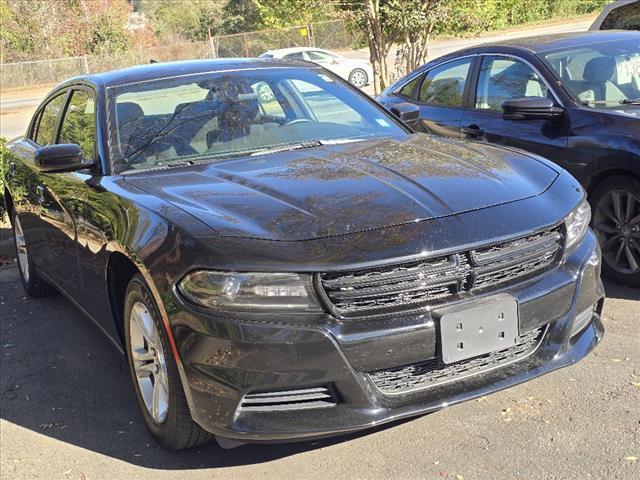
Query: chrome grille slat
395	274
302	398
442	279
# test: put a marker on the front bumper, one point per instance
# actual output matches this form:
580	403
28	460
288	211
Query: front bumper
223	359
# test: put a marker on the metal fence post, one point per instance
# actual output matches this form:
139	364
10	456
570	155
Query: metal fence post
312	41
86	64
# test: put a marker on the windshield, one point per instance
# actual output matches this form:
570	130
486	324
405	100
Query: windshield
220	115
602	75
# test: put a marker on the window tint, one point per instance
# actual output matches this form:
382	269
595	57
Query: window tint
48	120
409	90
78	125
294	56
444	85
503	79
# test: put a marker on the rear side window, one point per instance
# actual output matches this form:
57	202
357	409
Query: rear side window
294	56
79	123
320	57
444	85
49	119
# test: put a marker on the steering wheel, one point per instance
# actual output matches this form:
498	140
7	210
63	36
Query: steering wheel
297	120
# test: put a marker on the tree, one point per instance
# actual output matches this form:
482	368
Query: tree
188	20
371	17
408	23
416	22
57	28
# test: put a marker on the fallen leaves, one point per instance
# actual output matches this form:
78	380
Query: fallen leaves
631	459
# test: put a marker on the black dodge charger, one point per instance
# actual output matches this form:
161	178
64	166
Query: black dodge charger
298	264
572	98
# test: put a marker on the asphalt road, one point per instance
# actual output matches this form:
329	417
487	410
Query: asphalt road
68	412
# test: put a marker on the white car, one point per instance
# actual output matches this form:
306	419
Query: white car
358	72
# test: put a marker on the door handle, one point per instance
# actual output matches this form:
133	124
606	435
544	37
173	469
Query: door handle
472	130
40	193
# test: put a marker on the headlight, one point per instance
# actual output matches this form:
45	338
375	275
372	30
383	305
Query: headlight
577	223
250	291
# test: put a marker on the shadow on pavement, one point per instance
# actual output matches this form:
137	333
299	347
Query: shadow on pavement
614	290
62	378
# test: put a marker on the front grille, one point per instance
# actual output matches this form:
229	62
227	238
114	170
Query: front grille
441	279
434	372
289	399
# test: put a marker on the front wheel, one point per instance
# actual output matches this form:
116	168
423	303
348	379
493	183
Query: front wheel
155	374
358	78
616	222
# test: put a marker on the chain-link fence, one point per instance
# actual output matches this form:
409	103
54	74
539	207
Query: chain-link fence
332	35
42	72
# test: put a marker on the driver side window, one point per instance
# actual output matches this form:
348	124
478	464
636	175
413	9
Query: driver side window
503	79
79	123
49	120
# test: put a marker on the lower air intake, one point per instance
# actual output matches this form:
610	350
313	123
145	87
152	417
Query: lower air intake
434	372
317	397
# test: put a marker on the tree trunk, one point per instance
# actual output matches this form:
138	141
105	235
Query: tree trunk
377	45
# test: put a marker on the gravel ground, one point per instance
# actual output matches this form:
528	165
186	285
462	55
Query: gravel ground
68	412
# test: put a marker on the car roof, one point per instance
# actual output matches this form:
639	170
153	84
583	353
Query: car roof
155	71
546	43
284	51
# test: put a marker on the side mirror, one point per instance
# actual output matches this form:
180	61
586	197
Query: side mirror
530	108
66	157
407	112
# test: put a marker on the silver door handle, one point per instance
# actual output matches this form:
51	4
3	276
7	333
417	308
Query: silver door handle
40	193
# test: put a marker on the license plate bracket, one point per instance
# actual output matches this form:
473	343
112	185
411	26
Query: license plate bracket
470	330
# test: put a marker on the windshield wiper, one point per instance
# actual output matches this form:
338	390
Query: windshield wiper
286	148
297	146
628	101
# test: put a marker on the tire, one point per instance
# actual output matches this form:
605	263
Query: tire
615	205
358	78
170	421
33	284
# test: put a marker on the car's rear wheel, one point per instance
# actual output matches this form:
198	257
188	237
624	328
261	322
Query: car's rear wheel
155	374
358	78
33	284
616	222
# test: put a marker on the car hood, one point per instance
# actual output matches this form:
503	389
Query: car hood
335	190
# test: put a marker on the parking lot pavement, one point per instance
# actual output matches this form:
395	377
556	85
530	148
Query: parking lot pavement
68	412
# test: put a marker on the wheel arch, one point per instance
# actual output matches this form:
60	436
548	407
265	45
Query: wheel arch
603	175
8	204
120	268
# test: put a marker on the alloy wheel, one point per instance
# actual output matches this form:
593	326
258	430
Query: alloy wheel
149	362
358	78
616	222
21	247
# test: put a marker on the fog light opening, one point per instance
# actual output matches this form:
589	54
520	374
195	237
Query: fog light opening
582	320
